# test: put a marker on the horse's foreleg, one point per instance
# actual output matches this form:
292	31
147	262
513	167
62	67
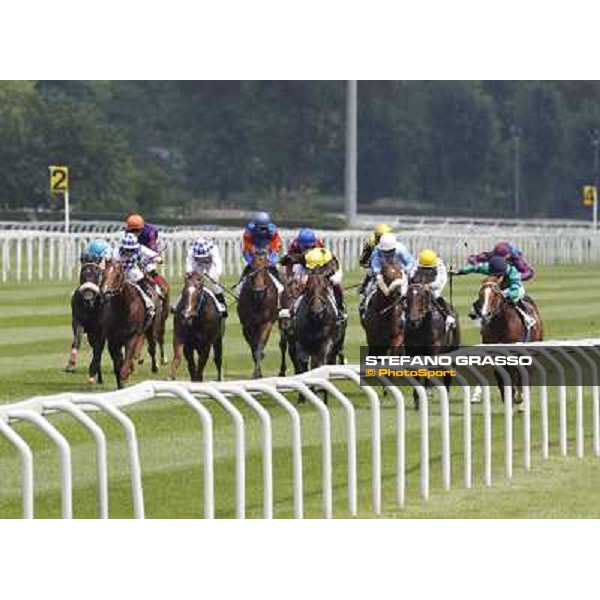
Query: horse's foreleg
75	345
151	337
130	348
283	345
116	355
203	353
218	357
177	354
95	370
162	329
188	352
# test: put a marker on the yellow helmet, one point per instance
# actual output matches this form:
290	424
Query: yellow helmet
428	258
317	257
380	229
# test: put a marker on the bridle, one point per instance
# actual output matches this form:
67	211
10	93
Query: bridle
493	307
422	293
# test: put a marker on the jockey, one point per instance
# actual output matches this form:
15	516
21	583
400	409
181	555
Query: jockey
262	234
367	251
138	261
147	236
390	250
204	257
512	255
305	240
509	280
96	251
329	266
432	271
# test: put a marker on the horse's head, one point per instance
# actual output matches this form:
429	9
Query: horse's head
89	278
259	273
113	278
491	298
317	291
418	303
190	295
392	280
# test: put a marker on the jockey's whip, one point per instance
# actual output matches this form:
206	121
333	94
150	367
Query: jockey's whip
224	287
451	280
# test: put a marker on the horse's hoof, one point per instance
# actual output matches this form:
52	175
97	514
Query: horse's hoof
91	381
70	369
154	369
164	362
140	361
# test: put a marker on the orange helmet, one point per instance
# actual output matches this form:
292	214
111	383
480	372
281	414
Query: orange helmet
135	222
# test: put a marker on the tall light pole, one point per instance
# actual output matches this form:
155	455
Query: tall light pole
595	137
351	151
516	133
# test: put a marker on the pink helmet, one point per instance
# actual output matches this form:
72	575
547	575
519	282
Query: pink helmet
502	249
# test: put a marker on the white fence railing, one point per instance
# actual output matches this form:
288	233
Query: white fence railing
39	256
39	411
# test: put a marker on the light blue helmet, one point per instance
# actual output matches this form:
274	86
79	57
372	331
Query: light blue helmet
201	248
129	242
98	247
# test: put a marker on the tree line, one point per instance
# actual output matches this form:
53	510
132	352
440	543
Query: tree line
177	147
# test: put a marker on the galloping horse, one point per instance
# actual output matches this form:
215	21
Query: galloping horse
425	330
257	308
295	286
198	326
85	309
124	321
382	315
501	324
163	308
316	335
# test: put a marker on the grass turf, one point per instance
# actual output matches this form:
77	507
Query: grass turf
34	345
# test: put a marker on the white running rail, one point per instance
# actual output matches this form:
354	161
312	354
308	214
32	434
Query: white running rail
30	255
202	397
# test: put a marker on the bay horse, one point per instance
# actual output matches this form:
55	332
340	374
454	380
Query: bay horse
501	324
198	327
257	308
295	282
124	321
316	335
382	316
425	327
85	311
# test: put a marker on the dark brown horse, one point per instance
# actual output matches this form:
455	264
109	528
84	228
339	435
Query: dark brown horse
382	315
425	331
316	337
85	310
295	283
198	326
501	324
257	308
124	321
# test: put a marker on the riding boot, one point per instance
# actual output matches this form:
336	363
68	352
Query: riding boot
149	291
527	320
363	284
221	298
449	319
339	303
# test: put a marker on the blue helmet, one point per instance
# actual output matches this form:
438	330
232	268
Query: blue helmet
261	220
129	242
306	239
497	265
98	247
201	248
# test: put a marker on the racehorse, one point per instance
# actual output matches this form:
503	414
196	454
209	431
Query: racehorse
425	331
163	309
124	321
381	317
295	286
501	324
198	326
85	310
316	337
257	308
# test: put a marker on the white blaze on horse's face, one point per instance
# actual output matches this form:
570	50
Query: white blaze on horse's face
487	300
191	290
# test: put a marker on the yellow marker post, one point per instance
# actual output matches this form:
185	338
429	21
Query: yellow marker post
59	184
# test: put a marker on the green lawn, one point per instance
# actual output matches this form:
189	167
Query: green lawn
34	346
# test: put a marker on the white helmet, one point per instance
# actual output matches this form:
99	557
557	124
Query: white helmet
387	242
